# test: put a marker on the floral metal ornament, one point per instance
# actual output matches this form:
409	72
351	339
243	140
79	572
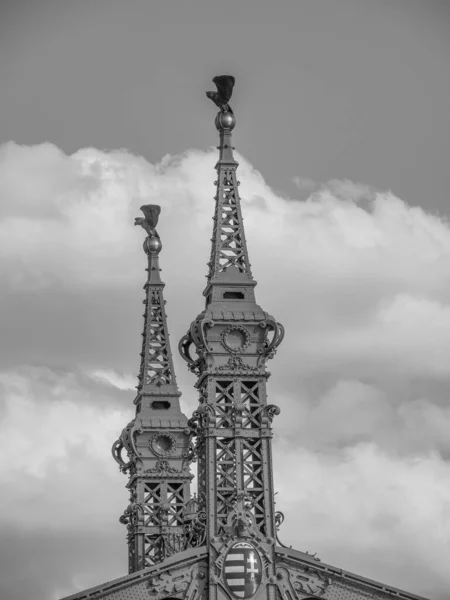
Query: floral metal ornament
235	338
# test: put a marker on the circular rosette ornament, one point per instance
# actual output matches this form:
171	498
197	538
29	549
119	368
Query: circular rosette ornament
163	444
243	570
235	338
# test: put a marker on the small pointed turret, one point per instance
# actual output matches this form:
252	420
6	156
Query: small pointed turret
157	440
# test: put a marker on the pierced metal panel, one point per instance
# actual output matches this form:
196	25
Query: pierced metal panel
229	248
138	591
223	402
341	592
252	463
156	364
226	477
249	398
153	549
175	503
152	504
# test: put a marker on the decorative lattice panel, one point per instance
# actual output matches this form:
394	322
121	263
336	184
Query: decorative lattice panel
154	550
337	591
226	477
252	464
156	367
228	242
175	503
152	504
249	397
224	400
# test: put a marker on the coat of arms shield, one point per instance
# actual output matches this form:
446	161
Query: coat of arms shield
243	570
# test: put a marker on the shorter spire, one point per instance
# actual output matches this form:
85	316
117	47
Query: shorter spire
157	374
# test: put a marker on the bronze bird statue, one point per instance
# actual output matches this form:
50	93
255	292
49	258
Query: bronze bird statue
224	84
150	219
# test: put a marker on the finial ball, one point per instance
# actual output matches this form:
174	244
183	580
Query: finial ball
152	245
225	120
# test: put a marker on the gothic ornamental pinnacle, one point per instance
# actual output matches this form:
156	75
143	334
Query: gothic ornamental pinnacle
222	542
156	440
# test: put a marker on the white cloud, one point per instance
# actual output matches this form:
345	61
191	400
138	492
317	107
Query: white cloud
117	380
53	447
383	513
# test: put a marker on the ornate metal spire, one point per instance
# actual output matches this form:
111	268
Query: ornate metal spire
229	264
156	375
233	338
225	539
156	441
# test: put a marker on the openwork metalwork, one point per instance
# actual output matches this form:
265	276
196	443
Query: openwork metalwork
156	365
222	541
156	441
229	248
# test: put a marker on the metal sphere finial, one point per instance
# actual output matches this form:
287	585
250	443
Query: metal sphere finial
225	120
152	245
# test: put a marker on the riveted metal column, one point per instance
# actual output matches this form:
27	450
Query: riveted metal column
267	468
211	470
238	437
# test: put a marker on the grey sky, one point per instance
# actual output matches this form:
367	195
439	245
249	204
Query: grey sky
350	99
347	89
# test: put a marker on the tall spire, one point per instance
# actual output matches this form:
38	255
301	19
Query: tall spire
233	338
229	264
156	440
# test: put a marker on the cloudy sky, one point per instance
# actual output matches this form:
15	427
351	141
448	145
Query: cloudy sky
343	139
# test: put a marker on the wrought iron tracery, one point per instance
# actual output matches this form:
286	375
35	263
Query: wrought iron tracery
156	364
229	248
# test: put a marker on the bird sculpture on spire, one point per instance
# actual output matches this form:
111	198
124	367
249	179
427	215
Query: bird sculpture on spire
224	84
150	221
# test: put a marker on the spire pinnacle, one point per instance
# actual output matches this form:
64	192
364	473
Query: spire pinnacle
229	264
157	374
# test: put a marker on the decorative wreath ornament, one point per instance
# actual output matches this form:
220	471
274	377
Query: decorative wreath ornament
163	444
235	338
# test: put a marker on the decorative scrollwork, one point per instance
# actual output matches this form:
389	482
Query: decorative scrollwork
163	468
207	414
184	349
269	349
236	365
196	337
279	519
190	454
268	413
195	530
132	514
116	451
